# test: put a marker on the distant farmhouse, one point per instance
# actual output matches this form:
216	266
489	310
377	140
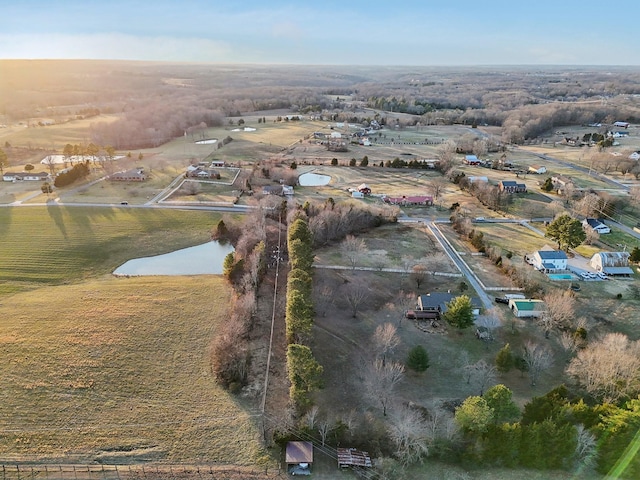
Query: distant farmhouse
511	186
25	176
409	200
471	160
635	155
621	124
133	175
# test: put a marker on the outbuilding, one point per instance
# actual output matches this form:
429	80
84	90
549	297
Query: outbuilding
299	457
612	263
526	307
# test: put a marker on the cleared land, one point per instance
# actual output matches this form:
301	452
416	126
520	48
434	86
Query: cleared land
117	371
52	245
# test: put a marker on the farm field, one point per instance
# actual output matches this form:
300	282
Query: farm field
56	244
116	370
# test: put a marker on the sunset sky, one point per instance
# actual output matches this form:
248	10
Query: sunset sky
355	32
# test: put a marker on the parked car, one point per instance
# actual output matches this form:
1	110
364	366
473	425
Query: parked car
502	300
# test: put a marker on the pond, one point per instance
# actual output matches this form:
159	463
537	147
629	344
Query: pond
313	179
245	129
207	141
203	259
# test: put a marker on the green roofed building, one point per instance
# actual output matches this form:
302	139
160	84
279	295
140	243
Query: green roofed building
526	307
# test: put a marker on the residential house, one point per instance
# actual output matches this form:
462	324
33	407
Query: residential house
612	263
409	200
596	224
549	260
26	176
526	307
635	155
621	124
471	160
201	172
299	457
511	186
287	190
273	190
133	175
217	163
537	169
437	302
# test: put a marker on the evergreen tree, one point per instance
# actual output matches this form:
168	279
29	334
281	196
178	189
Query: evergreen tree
418	359
459	312
504	359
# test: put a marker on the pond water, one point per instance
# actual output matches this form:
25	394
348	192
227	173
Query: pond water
313	179
245	129
207	141
203	259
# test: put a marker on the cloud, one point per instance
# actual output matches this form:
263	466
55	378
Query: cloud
113	46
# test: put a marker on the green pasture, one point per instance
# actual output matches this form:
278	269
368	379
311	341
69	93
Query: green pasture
116	370
57	244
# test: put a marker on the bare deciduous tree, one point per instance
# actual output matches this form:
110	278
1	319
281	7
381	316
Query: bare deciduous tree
608	368
385	340
409	432
353	248
419	274
559	312
538	358
381	380
324	426
355	294
482	375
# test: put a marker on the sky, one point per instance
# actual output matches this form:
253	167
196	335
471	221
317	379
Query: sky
325	32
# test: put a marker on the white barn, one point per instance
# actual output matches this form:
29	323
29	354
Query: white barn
611	263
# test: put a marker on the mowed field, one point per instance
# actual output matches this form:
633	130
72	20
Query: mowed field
116	370
53	245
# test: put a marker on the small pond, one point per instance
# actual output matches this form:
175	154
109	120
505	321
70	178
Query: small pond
313	179
207	141
203	259
245	129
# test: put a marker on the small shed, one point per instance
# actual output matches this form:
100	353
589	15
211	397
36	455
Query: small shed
526	307
537	169
299	457
350	457
364	189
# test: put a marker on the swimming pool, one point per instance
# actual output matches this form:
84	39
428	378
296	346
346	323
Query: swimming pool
561	276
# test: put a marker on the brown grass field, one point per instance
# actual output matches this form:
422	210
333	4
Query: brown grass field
117	371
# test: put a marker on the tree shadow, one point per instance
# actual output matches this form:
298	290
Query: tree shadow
55	212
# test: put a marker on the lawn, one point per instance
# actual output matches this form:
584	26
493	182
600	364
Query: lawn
56	244
116	370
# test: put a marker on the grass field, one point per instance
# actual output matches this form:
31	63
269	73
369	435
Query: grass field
117	371
52	245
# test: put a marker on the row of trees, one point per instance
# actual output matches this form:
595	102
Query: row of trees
79	170
305	373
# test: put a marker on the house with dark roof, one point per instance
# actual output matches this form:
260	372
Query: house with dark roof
549	260
133	175
596	224
437	302
511	186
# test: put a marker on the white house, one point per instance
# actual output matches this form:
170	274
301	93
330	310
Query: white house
635	155
596	225
549	260
27	176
